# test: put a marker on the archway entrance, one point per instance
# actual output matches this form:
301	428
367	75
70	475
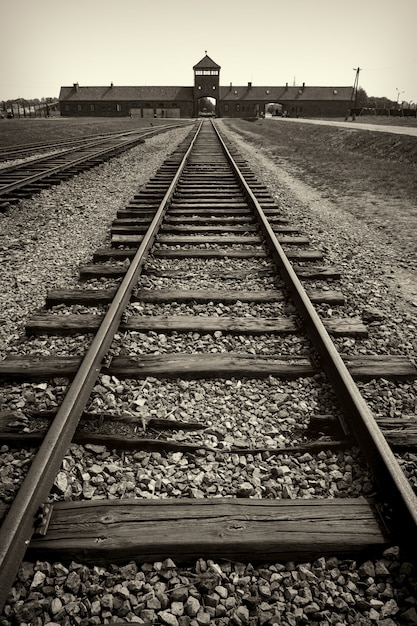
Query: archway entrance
206	107
274	109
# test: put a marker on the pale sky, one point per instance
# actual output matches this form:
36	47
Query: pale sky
45	44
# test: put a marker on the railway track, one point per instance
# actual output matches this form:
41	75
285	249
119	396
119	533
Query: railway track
24	179
12	153
199	254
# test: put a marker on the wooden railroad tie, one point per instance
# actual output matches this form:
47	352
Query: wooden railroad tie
103	531
213	365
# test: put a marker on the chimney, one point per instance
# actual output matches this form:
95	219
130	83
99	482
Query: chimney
304	86
230	88
286	86
249	85
111	85
76	85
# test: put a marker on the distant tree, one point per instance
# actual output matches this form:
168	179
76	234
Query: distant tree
381	103
361	98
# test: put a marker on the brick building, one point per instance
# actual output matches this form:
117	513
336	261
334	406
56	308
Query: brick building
186	102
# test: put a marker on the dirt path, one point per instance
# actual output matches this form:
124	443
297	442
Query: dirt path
382	128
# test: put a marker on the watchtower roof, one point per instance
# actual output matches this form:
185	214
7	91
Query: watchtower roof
206	63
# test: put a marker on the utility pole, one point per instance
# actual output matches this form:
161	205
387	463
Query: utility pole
355	91
353	97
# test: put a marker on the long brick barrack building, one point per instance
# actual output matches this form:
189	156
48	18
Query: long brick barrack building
187	102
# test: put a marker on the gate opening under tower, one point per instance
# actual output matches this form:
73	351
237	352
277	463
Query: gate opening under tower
275	109
206	107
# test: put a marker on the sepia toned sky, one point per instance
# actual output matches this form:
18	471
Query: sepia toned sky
49	43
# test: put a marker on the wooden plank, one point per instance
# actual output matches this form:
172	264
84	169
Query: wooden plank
14	421
347	327
157	444
215	205
319	272
226	238
385	366
133	239
229	239
207	295
98	270
267	271
212	228
224	219
228	296
124	229
212	365
230	193
29	367
91	297
63	325
44	324
233	253
217	295
400	433
99	532
50	324
105	254
101	270
131	212
202	211
132	221
105	296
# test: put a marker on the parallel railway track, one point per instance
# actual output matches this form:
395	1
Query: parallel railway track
24	179
204	191
12	153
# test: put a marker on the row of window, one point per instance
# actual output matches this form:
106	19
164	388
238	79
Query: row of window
207	72
118	107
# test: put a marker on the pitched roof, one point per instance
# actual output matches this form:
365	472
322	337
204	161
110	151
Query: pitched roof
123	94
186	94
206	63
276	94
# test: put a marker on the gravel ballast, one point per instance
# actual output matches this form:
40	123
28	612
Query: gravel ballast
39	252
44	239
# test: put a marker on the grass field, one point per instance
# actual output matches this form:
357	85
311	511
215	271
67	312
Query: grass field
371	175
21	131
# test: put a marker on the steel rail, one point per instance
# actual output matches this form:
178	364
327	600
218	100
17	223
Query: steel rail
9	152
27	180
387	471
91	143
12	151
18	527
